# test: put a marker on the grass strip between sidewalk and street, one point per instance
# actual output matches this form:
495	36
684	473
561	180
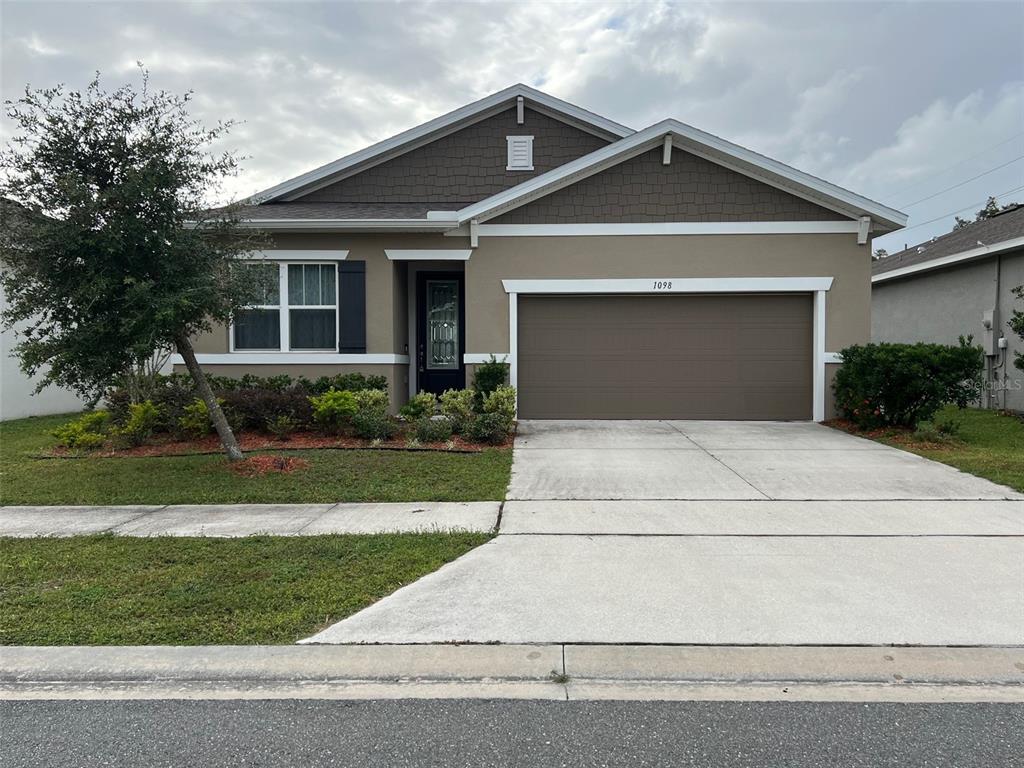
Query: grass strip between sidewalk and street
332	475
110	590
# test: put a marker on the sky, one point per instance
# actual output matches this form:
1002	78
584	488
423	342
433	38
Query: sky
905	103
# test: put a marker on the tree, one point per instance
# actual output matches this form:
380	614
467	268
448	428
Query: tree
1016	324
116	252
992	208
880	253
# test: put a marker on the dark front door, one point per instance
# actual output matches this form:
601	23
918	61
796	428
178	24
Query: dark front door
440	324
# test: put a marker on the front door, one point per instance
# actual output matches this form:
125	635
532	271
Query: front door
440	321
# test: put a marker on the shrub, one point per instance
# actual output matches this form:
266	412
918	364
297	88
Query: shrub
373	401
457	405
502	401
374	426
332	409
901	384
195	421
435	430
86	432
489	428
282	427
253	409
930	432
488	376
142	422
423	404
349	382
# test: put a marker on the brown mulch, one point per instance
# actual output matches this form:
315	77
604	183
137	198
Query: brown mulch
165	445
898	435
257	466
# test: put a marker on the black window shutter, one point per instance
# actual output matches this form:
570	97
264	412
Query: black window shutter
352	306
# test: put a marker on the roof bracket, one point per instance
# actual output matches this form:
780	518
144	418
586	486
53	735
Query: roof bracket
520	111
863	230
666	150
474	233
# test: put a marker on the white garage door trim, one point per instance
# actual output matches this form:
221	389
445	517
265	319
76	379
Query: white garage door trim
819	286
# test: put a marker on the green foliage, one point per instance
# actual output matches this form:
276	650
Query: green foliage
489	376
502	401
423	404
142	421
372	401
488	428
99	260
332	409
1016	324
195	420
282	427
354	382
901	384
86	432
992	208
435	430
458	406
373	426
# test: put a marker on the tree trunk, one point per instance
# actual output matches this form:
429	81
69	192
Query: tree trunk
227	437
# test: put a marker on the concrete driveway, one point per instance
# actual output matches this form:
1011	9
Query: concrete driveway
723	533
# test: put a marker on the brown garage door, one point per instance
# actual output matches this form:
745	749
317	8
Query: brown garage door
665	357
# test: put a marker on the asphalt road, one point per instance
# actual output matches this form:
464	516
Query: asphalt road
396	734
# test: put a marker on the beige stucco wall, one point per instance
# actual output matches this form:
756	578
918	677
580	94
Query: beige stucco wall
848	305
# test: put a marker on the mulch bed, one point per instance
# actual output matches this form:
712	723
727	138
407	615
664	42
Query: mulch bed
898	435
165	445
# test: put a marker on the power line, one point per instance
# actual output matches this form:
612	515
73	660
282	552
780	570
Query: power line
961	210
957	164
966	181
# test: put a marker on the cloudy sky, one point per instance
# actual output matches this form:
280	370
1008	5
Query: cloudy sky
904	103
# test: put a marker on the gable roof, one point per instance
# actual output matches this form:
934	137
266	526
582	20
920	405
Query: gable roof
704	145
433	129
1001	232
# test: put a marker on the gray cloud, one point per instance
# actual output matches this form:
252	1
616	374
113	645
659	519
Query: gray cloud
878	97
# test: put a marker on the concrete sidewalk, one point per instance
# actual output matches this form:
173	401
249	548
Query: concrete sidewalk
230	520
553	671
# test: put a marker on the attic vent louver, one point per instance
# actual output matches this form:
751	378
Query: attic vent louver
520	153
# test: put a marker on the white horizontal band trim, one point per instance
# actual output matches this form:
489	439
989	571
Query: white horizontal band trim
484	357
293	358
670	228
673	285
832	357
292	255
945	261
349	225
427	255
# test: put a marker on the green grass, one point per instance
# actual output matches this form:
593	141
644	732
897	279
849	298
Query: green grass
989	445
333	475
106	590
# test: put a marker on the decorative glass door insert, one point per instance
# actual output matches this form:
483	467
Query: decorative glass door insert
442	324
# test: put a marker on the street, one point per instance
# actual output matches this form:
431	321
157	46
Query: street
453	733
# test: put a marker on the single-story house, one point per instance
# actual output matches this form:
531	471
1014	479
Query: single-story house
629	274
960	284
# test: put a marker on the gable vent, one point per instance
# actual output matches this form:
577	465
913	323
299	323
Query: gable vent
520	153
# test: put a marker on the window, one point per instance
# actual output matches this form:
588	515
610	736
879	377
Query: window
304	319
520	153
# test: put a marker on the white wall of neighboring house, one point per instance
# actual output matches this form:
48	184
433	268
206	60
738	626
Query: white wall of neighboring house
16	398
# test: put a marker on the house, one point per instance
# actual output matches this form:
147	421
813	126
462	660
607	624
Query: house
960	284
633	274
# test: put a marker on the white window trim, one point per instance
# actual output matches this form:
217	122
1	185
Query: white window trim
510	141
817	286
294	358
284	311
311	256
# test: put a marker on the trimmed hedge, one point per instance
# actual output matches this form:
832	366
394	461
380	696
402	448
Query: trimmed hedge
899	385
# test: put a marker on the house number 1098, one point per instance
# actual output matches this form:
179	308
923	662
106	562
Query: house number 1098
663	285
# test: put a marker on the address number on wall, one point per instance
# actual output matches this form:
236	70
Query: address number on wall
663	285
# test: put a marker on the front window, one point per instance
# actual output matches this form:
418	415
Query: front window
299	312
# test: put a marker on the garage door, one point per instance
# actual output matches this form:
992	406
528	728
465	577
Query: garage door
665	357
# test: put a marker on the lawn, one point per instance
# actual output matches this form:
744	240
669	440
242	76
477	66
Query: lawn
989	444
107	590
332	475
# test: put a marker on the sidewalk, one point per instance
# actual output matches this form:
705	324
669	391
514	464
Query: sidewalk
229	520
552	671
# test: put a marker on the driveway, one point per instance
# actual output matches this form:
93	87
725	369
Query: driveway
723	533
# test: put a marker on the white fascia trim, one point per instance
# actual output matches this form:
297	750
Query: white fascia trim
349	225
668	228
471	358
427	255
293	255
654	136
672	285
439	124
945	261
293	358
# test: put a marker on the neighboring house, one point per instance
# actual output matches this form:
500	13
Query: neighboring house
661	273
17	391
960	284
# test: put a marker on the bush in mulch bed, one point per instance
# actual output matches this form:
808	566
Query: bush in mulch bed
258	466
